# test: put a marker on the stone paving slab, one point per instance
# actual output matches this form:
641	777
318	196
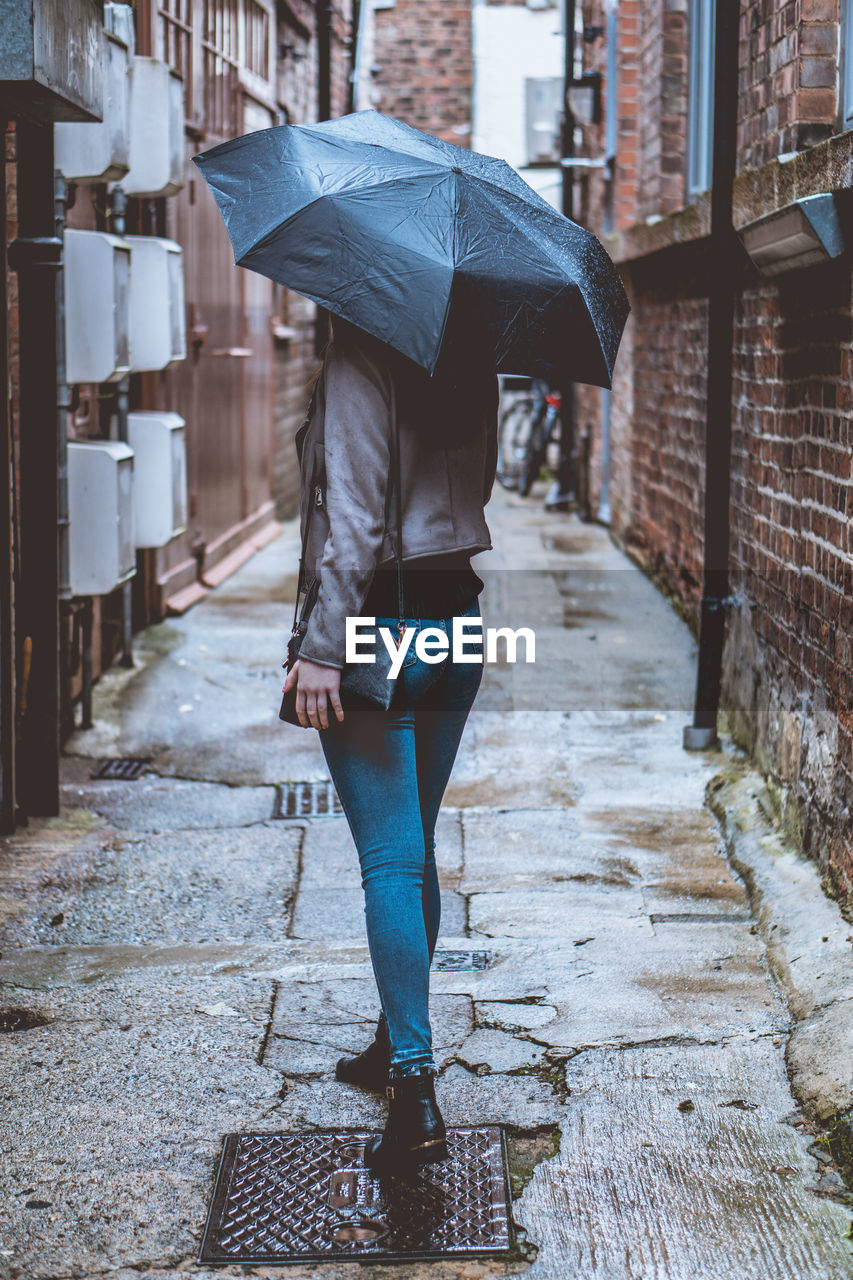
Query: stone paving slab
167	804
558	914
329	855
704	1128
117	1116
192	886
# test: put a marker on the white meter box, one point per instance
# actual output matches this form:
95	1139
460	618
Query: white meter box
100	503
99	152
97	275
157	316
156	129
158	441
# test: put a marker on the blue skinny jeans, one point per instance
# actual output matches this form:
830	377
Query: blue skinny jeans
390	769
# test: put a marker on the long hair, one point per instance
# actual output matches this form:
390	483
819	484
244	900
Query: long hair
447	406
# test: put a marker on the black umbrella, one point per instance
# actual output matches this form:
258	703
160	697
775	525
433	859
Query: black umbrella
417	241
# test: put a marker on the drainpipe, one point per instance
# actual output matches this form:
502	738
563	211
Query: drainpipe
122	408
564	490
324	112
63	406
324	60
7	540
718	430
604	489
37	258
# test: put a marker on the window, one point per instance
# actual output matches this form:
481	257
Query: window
544	103
257	45
847	81
175	41
700	99
220	52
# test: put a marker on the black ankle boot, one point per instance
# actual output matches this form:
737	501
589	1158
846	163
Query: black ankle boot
369	1069
415	1132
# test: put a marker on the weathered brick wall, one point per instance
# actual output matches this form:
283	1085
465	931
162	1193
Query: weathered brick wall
788	77
424	54
661	444
662	106
788	672
789	657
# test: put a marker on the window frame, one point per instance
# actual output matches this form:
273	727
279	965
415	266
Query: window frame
845	85
700	96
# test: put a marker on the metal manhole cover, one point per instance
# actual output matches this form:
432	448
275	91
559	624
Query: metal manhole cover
127	769
306	800
289	1197
460	961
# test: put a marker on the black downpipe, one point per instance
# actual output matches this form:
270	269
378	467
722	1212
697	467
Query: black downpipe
7	544
324	112
723	251
119	225
565	486
355	27
324	60
37	256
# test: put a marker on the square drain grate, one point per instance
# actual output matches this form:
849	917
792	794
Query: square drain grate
290	1197
460	961
306	800
127	769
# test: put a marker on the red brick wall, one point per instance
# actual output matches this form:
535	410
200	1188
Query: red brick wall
662	106
788	671
789	662
661	445
425	59
788	77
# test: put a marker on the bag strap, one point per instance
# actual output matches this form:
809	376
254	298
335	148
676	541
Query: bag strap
398	505
395	472
300	577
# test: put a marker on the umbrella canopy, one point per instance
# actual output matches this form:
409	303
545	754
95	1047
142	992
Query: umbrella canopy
420	242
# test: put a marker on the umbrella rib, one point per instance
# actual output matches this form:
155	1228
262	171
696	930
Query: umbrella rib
571	282
329	195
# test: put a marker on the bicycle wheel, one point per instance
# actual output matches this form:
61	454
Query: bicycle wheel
534	456
513	434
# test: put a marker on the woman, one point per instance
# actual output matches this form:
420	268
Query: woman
390	768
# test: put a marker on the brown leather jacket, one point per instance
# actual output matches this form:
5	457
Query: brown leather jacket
346	472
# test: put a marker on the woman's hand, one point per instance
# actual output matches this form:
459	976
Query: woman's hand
316	687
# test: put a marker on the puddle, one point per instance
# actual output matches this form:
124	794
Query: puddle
12	1019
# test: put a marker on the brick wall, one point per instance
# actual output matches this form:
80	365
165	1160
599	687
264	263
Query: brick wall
424	54
788	668
788	77
662	106
789	658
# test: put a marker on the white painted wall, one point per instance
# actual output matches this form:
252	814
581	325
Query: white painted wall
512	43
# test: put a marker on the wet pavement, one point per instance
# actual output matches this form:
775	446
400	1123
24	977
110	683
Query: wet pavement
196	965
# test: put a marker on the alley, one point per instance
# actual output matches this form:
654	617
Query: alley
187	962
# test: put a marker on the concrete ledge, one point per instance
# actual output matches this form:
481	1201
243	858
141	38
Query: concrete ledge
687	226
825	167
809	943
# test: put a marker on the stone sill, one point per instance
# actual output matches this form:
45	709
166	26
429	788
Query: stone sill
825	167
